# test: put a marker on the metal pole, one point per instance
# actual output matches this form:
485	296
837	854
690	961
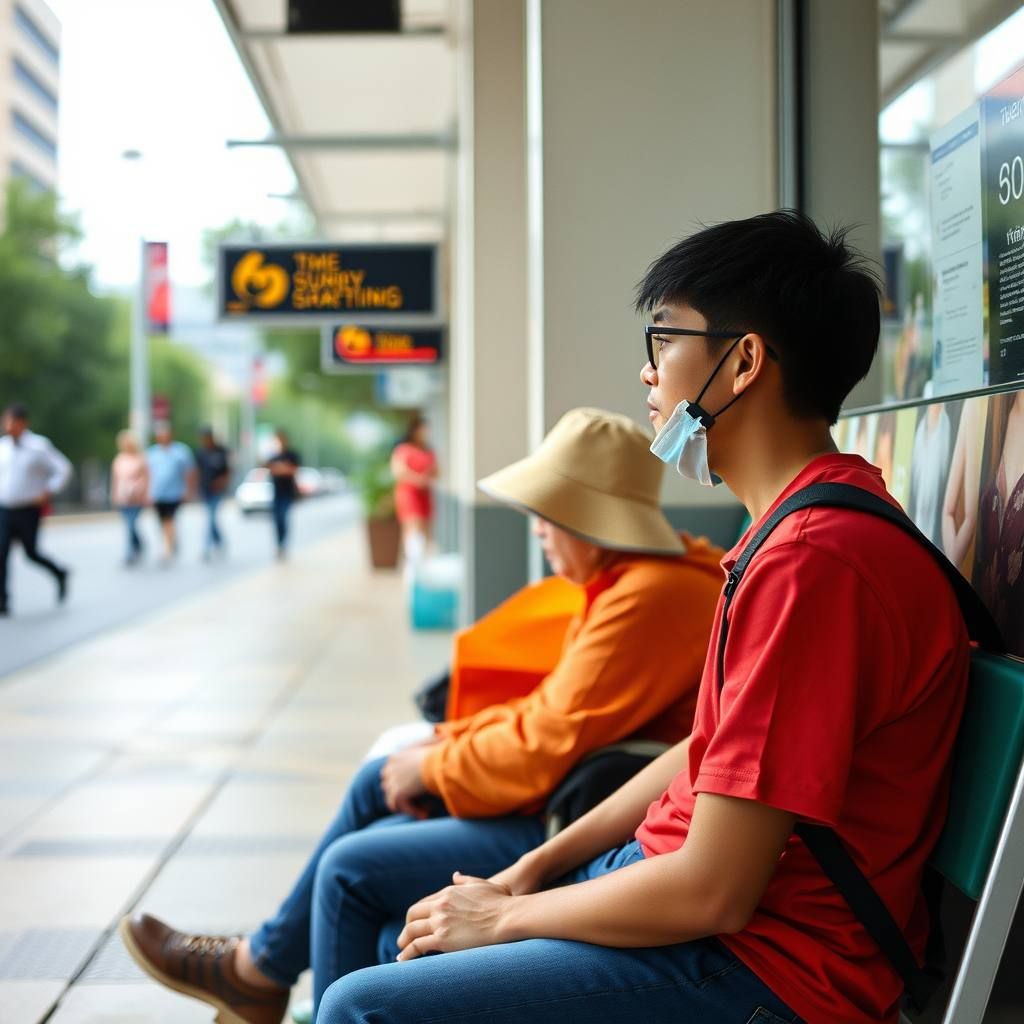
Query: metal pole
249	409
139	358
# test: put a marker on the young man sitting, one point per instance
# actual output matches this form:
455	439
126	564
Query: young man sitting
630	667
834	707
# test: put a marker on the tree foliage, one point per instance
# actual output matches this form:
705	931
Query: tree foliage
64	350
55	351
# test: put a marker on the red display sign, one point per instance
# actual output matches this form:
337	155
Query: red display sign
157	288
386	346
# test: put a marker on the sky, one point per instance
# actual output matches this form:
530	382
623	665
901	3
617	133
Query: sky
161	77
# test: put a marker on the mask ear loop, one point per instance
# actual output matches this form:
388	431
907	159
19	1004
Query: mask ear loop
696	409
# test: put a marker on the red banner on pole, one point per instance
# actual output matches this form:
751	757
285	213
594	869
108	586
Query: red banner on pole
157	289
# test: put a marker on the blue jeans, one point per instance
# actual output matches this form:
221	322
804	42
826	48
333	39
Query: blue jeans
368	869
130	515
552	981
213	534
282	506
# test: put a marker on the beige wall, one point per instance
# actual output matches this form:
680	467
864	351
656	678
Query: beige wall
489	328
655	115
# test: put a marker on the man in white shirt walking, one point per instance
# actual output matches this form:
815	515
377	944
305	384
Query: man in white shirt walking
31	472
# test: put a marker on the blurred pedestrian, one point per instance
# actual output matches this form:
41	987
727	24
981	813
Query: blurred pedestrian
414	467
283	467
32	471
214	476
172	480
129	489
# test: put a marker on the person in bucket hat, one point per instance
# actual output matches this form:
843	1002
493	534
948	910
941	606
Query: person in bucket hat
472	796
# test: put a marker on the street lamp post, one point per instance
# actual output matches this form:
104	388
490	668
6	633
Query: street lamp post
139	401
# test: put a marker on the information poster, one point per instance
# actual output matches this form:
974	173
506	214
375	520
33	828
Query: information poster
1004	173
957	215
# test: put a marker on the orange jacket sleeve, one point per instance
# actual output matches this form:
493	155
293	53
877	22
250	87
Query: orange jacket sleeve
639	650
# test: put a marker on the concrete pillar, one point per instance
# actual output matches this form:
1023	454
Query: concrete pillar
645	119
839	90
488	371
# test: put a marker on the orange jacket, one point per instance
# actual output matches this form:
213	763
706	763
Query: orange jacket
631	666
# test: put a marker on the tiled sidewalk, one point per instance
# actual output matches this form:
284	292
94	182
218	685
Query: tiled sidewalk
185	765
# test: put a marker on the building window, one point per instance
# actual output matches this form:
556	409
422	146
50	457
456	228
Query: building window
28	25
27	130
31	82
22	173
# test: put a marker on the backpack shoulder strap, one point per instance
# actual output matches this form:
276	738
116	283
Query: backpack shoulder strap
981	627
823	842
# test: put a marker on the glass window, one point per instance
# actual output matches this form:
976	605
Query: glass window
27	24
22	173
27	130
31	82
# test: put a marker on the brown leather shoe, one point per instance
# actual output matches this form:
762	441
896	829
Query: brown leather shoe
201	966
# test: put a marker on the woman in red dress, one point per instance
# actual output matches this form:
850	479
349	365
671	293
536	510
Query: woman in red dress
414	467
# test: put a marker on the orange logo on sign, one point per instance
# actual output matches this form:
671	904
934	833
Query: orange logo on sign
258	283
354	342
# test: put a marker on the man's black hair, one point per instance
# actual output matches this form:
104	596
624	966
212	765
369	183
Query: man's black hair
17	411
812	296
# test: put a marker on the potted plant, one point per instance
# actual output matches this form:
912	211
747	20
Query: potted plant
376	489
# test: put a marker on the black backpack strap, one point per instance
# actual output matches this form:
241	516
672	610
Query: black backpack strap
867	906
823	842
981	627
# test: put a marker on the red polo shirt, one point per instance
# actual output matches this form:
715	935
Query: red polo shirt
845	676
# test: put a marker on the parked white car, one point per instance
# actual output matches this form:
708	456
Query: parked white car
256	492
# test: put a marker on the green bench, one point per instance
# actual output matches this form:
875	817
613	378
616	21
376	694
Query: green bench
981	850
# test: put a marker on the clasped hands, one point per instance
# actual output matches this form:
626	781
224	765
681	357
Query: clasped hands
470	912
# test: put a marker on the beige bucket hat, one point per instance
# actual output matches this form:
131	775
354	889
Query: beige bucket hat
593	475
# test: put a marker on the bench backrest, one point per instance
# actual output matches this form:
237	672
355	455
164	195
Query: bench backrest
988	756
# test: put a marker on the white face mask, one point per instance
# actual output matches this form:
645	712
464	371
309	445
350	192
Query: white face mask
683	444
683	441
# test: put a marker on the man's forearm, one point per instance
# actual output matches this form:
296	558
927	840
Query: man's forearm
650	903
614	821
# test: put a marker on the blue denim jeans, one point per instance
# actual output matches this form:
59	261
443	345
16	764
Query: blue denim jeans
213	534
552	981
368	869
130	514
281	508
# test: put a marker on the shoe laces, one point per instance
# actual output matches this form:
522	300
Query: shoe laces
208	945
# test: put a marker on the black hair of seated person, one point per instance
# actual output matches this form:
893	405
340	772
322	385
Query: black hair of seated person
811	295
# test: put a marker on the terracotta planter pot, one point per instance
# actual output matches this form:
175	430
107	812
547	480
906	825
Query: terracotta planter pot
385	537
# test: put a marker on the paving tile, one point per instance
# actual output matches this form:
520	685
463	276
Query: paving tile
223	894
27	1002
45	953
104	810
15	811
49	759
70	892
271	808
136	1003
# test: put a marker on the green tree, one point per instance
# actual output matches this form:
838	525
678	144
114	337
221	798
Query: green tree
55	352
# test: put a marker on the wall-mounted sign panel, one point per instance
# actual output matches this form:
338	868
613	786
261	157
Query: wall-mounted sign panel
958	348
347	347
1004	187
296	284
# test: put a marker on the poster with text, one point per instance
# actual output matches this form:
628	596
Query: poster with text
1003	113
957	222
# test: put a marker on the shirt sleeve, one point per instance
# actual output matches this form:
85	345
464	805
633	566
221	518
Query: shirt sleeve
804	630
639	651
58	469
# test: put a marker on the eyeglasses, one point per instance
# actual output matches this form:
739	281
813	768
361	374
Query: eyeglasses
654	349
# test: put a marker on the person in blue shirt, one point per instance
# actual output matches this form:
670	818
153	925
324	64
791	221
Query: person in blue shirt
172	480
